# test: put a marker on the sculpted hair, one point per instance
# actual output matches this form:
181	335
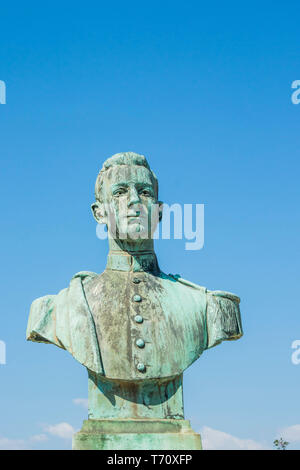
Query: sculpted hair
124	158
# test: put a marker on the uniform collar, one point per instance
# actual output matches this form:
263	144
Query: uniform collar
144	261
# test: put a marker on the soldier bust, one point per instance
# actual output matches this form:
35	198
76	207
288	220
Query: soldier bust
135	328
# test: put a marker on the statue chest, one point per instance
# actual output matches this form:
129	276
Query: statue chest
147	326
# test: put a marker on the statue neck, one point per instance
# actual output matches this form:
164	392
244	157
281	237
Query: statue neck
140	257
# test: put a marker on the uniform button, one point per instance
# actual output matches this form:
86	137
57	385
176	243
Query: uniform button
136	280
140	343
137	298
139	319
141	367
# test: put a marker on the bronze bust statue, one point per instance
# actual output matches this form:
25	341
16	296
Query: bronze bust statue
135	328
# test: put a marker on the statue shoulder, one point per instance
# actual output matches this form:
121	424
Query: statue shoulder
49	311
211	294
184	282
65	320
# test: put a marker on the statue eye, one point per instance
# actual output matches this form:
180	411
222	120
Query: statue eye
119	192
145	192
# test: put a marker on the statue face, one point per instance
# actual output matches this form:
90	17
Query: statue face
131	204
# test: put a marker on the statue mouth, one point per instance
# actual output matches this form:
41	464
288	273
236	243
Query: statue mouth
135	218
136	215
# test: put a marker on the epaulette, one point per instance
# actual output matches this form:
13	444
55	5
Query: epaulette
84	274
227	295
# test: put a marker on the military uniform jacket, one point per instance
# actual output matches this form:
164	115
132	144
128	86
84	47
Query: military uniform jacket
134	325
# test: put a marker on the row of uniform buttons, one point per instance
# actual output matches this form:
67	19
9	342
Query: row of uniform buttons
139	319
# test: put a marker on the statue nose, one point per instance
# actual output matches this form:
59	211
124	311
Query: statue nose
133	197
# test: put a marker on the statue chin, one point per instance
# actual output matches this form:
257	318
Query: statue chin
133	232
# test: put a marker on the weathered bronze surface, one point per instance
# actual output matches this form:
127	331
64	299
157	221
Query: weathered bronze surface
135	328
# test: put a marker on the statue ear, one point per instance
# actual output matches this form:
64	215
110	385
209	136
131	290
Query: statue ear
99	212
160	210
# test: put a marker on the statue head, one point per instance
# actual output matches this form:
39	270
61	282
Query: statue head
126	193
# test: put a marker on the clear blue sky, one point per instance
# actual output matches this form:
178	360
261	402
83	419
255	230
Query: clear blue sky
204	91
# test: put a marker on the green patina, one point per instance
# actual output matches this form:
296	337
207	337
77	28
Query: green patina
133	327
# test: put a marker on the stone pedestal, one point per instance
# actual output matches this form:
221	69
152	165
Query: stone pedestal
136	434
